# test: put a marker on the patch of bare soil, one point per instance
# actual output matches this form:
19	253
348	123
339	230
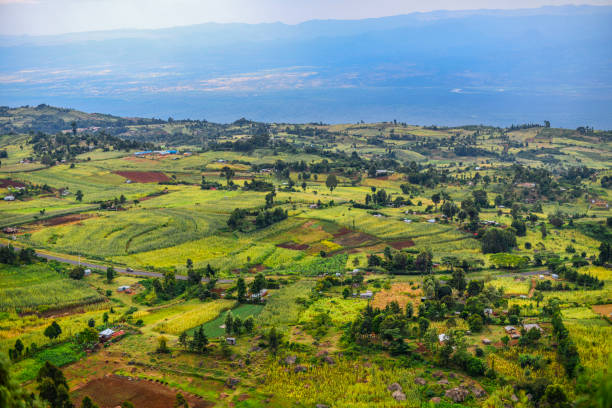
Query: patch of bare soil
293	245
144	176
112	390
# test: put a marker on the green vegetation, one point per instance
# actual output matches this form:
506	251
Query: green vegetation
294	265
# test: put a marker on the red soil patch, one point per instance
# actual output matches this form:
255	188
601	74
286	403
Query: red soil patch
353	239
257	268
112	390
10	183
407	243
65	219
293	245
341	232
604	310
143	176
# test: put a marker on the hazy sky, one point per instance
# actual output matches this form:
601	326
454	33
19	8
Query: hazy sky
37	17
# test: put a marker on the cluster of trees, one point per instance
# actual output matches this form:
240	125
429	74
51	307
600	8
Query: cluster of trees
113	204
257	185
238	218
208	185
605	253
198	342
234	324
582	280
269	217
400	262
567	351
53	148
10	256
494	240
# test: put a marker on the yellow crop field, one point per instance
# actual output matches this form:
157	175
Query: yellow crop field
195	317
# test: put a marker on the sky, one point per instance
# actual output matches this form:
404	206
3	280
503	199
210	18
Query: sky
44	17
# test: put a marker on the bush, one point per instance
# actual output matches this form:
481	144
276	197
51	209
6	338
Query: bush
475	323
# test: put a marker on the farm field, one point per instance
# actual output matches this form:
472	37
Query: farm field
273	265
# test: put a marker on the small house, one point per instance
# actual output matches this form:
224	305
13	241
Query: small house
528	327
87	272
488	311
106	334
124	288
510	329
442	338
9	198
366	295
555	276
486	342
260	295
231	341
431	220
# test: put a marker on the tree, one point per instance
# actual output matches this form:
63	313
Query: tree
183	339
241	290
259	283
475	323
52	386
162	345
458	280
331	182
229	323
88	403
449	209
18	347
475	287
78	272
249	324
79	195
423	261
538	297
110	274
543	230
228	174
180	402
105	318
409	310
346	292
91	323
53	331
496	240
436	199
274	340
423	326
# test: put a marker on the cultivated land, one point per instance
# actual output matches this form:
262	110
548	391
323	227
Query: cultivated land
354	265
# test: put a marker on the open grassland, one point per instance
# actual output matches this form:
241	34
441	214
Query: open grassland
512	285
38	287
340	310
402	293
282	308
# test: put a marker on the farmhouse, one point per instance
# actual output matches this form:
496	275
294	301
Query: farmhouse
106	334
366	295
488	311
124	288
262	294
231	341
9	198
528	327
510	329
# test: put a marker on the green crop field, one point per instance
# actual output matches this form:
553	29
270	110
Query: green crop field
38	287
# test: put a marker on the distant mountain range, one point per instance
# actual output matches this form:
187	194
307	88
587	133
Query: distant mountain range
488	66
